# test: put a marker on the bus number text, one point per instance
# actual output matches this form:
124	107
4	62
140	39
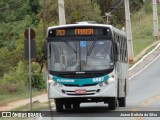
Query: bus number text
60	32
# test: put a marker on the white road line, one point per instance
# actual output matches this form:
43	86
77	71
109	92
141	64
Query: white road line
144	57
142	61
144	67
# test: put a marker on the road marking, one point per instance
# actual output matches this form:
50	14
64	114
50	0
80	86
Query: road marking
138	118
150	100
144	67
135	109
144	104
142	61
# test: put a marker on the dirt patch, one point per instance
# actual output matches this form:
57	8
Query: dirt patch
3	104
41	98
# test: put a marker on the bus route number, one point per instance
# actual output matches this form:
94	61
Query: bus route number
60	32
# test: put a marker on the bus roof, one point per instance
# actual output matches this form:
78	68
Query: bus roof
79	25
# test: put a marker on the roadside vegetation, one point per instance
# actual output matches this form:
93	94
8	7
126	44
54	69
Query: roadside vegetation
142	28
15	17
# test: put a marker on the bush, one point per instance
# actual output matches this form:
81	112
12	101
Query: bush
38	81
148	7
16	80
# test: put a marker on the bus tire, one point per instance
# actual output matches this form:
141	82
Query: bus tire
122	101
59	105
112	103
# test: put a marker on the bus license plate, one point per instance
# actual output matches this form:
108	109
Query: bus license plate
80	91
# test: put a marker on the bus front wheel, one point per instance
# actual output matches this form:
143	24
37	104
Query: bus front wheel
59	105
112	103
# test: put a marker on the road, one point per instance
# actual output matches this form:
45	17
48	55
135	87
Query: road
144	95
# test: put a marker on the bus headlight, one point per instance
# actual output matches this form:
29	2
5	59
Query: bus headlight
109	81
56	84
53	83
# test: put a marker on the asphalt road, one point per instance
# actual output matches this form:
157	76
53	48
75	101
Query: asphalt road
144	95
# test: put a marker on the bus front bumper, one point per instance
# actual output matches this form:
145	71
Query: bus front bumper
89	91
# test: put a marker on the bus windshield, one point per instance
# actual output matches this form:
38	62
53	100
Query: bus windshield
81	55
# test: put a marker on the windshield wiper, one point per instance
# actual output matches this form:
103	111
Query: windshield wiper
75	51
91	48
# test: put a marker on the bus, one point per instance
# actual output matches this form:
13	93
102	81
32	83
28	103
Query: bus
86	62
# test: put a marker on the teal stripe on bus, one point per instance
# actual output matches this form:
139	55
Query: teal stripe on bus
80	81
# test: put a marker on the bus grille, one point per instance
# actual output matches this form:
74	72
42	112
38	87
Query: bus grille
88	92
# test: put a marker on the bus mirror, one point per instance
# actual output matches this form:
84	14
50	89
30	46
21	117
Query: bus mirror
44	48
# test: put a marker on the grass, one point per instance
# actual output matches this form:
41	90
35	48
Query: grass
142	28
6	98
150	49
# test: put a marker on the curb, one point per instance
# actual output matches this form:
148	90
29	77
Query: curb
140	61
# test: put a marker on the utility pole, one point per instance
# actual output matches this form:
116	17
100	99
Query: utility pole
155	20
62	19
29	47
44	17
30	67
129	32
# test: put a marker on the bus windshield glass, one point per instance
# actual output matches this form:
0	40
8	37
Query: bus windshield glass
81	55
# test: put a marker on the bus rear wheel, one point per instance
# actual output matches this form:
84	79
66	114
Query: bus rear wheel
122	101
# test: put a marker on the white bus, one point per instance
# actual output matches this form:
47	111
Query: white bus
86	63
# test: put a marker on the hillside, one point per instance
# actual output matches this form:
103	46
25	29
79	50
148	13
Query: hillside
142	28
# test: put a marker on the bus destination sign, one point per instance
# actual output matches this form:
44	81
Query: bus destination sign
62	32
78	32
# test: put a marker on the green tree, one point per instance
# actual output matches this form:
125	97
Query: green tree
16	16
116	7
75	10
82	10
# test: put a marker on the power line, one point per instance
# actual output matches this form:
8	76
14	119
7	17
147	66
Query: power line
108	14
117	6
18	1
